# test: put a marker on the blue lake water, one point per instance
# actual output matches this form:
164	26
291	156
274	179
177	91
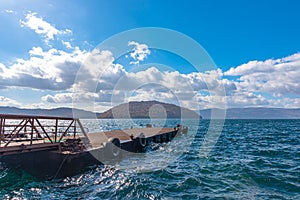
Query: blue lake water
249	159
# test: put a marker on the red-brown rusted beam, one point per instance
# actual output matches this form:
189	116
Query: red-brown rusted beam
81	127
27	121
1	121
43	130
16	127
36	130
12	116
74	134
64	133
31	133
13	136
34	127
56	128
3	128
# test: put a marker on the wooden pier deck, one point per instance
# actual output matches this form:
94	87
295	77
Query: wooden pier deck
24	133
98	139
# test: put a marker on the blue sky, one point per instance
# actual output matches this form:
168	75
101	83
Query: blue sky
254	45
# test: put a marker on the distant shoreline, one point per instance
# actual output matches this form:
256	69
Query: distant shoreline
232	113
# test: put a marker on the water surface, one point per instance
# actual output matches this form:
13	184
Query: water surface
252	159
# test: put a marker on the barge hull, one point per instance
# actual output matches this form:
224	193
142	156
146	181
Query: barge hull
51	147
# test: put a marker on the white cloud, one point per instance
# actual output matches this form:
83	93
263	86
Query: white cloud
104	82
10	11
85	97
43	28
176	82
140	52
150	96
277	77
152	84
97	69
67	44
47	70
4	101
97	102
269	83
246	99
58	98
285	102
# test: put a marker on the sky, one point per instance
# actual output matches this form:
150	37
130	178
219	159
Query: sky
67	53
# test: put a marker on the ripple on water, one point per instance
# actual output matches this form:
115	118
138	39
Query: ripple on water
251	159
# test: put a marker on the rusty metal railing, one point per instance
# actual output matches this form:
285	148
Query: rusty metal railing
28	130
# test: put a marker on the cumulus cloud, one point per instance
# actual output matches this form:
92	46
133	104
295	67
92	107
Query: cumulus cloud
139	53
69	97
48	70
177	82
77	75
42	27
97	72
4	101
285	102
246	99
58	98
166	86
278	77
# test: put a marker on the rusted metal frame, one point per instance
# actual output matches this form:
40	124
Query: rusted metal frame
64	133
31	133
81	127
74	134
16	127
56	128
20	129
13	116
36	130
42	127
34	127
30	120
1	122
2	130
13	136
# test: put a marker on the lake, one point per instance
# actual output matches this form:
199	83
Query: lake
248	159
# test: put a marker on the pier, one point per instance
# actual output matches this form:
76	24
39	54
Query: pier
54	147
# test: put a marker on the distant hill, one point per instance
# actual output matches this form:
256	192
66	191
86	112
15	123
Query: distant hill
256	113
148	109
141	110
57	112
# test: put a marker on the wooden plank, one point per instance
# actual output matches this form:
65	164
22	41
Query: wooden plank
98	139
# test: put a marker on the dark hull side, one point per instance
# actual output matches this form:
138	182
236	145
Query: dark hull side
54	164
50	164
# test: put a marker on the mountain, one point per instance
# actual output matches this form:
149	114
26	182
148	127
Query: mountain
148	109
158	110
57	112
256	113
